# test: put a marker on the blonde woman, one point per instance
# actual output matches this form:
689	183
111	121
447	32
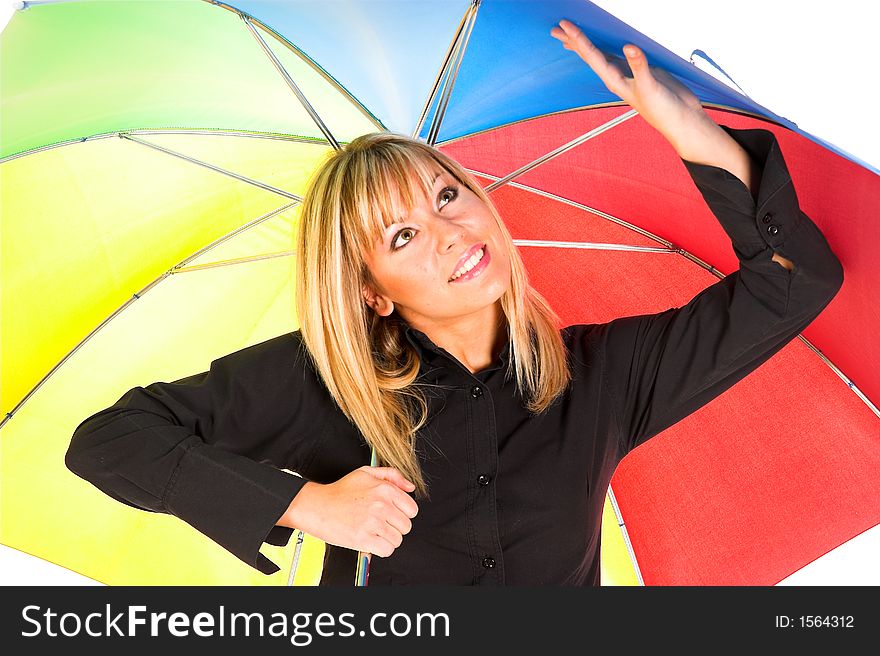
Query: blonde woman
496	432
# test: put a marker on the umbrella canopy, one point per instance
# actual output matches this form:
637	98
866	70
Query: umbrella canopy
152	156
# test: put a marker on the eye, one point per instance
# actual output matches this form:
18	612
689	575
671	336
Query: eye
406	234
450	193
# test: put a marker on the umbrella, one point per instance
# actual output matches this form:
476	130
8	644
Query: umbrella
152	221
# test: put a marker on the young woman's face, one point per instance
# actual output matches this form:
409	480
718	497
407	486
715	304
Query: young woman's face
446	260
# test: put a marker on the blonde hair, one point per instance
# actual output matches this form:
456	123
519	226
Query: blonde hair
364	359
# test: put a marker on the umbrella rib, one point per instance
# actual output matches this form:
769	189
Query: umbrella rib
229	133
595	132
622	525
40	149
290	83
135	297
451	77
305	58
580	206
237	260
247	226
205	132
256	183
592	246
842	376
437	80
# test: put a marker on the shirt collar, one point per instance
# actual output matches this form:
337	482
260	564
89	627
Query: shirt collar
428	351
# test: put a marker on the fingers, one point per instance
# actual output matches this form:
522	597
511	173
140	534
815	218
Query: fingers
400	524
610	71
390	512
391	475
385	540
401	501
574	39
637	61
386	531
383	548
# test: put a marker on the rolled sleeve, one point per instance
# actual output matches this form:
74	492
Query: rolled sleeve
233	500
771	222
208	449
659	368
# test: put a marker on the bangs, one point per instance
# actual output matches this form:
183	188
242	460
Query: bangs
382	187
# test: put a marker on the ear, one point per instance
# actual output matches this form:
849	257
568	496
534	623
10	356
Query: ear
382	305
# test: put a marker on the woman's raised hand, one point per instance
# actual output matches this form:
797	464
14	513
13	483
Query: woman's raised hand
664	102
367	510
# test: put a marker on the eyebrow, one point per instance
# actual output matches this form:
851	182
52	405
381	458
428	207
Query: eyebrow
392	233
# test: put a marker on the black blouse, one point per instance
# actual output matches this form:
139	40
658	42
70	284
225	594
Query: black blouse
515	499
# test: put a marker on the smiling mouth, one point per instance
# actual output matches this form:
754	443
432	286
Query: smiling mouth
472	263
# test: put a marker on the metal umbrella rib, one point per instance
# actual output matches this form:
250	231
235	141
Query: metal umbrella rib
167	131
192	160
450	53
585	245
455	65
580	206
290	83
302	56
595	132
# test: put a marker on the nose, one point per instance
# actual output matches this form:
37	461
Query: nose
449	234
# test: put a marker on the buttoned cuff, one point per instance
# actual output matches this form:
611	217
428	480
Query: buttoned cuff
234	501
753	224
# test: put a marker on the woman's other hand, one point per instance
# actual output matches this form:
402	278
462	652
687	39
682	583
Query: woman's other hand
367	510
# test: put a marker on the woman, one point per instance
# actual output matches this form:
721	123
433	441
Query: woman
421	339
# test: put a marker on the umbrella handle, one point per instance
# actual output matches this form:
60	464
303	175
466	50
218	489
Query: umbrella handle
362	571
362	574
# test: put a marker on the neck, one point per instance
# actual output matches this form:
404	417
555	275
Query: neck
474	340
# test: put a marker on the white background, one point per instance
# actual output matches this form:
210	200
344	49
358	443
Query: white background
811	62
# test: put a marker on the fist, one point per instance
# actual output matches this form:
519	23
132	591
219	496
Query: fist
367	510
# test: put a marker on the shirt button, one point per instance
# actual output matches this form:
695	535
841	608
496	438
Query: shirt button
488	562
767	218
483	479
772	229
476	391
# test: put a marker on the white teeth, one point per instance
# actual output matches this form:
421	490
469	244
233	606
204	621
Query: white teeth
470	264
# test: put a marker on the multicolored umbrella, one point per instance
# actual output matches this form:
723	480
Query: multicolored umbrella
152	157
